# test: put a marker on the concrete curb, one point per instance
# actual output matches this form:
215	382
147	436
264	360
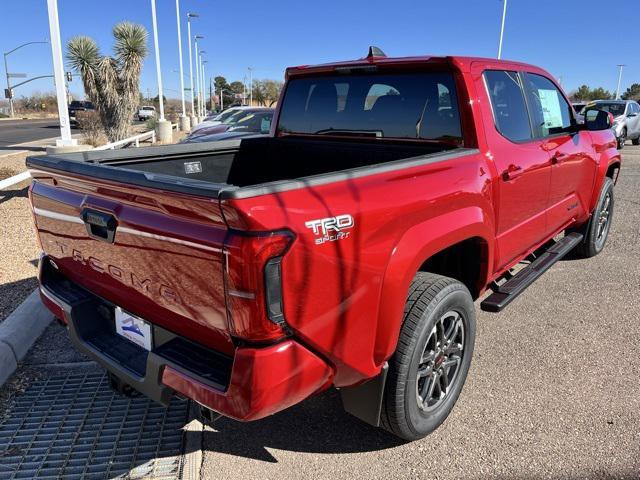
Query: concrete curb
19	331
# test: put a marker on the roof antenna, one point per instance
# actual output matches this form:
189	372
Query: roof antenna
375	52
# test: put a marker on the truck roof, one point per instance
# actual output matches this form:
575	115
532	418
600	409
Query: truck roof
461	62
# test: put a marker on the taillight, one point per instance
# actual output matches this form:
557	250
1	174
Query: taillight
253	284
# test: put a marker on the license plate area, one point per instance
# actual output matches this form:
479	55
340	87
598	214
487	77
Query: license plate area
134	329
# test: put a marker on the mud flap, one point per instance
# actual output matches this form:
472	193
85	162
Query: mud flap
364	401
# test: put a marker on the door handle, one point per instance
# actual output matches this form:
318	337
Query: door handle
511	172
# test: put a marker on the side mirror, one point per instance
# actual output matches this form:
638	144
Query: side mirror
597	119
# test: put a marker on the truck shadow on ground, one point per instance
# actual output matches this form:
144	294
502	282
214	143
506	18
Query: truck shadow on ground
317	425
13	293
6	195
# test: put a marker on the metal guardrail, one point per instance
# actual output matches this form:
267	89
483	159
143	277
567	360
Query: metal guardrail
7	182
135	140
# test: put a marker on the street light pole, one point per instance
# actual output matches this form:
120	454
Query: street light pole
163	127
203	86
620	66
157	52
193	108
244	90
504	16
65	139
197	67
183	117
6	69
250	86
204	91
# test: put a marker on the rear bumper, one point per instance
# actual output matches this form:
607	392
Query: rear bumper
255	383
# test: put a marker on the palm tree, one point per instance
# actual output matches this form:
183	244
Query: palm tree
112	83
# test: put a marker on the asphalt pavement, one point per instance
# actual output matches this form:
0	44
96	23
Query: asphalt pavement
553	390
15	132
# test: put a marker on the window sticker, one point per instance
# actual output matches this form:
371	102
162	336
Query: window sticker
551	112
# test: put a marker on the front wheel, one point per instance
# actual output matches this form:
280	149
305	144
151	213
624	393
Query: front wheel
430	366
597	230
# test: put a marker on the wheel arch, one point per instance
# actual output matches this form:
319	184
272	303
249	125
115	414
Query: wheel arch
426	246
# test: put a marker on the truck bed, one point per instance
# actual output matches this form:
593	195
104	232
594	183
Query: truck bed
244	168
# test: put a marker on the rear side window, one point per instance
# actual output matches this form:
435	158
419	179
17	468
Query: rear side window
550	112
508	104
405	105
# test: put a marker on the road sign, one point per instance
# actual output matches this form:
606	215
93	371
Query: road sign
8	93
17	75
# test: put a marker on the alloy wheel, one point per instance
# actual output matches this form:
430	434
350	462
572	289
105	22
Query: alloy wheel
440	361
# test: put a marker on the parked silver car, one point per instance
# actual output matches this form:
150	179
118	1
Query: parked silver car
626	114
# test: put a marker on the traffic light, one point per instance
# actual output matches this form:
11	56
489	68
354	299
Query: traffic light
69	76
8	93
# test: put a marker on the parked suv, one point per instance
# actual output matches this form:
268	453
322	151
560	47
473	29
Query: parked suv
345	249
626	118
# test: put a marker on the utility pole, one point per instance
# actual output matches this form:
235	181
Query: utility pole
65	139
193	108
620	66
163	128
185	124
504	16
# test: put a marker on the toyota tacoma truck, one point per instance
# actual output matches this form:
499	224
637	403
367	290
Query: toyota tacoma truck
344	250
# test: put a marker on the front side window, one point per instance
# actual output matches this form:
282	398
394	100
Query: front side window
402	105
550	112
508	104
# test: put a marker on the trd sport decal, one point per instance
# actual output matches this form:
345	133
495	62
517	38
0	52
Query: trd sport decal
330	229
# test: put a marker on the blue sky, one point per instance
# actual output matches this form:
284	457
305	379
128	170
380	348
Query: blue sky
269	36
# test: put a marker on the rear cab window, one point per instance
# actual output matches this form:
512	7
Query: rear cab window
420	106
508	104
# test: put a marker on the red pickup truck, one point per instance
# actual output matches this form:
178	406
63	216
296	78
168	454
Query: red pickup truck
346	249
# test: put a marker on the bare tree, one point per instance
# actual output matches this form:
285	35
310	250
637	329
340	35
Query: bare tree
112	83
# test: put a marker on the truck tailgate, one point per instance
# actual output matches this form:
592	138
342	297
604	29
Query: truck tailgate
156	254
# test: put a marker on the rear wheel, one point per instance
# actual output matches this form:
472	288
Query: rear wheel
636	141
429	368
596	231
622	138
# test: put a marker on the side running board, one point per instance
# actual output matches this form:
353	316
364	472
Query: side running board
508	291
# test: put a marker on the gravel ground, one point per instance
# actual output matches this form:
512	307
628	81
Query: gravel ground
18	248
553	390
11	165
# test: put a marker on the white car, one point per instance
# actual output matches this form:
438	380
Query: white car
146	112
218	118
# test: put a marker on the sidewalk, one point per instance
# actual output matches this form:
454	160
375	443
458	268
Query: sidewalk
59	418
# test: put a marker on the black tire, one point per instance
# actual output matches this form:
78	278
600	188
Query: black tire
622	139
636	141
595	232
405	412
